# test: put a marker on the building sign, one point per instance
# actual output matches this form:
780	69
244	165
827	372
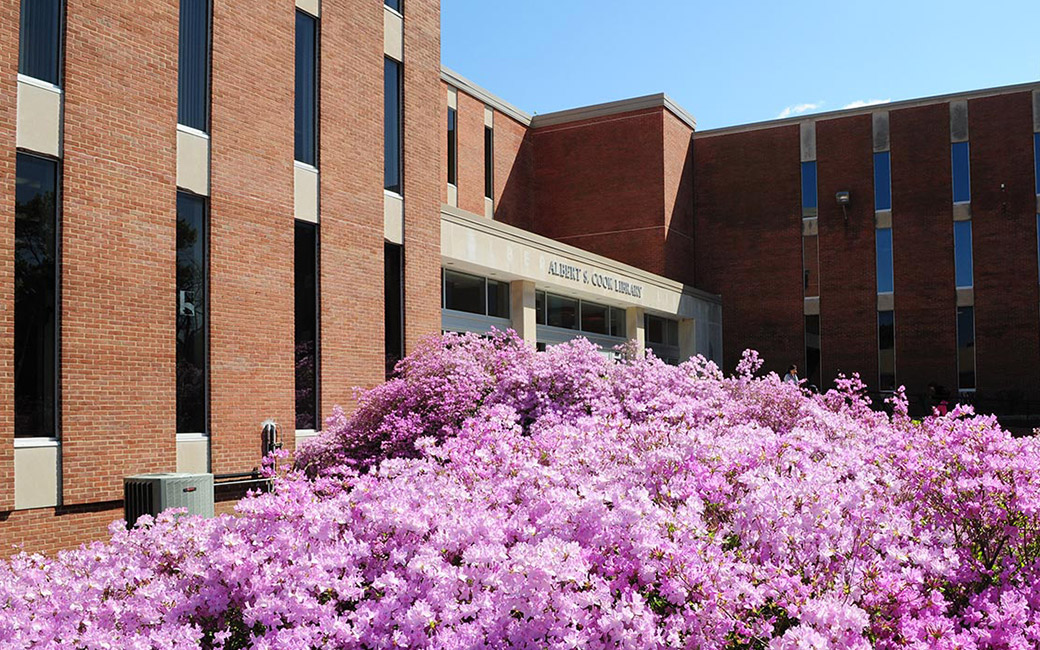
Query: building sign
598	280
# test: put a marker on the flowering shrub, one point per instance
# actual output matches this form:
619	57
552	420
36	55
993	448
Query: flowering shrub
494	496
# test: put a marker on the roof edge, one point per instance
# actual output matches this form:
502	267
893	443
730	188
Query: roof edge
614	108
492	100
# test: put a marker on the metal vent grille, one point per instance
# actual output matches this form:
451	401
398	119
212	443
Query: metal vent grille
138	499
150	494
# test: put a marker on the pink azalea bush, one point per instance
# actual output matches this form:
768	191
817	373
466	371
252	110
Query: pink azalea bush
492	496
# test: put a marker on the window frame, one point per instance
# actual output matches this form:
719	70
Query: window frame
960	178
315	121
489	162
207	327
317	321
959	230
59	43
888	262
398	125
207	92
882	181
453	146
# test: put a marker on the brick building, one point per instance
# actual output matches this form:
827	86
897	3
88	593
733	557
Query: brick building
221	214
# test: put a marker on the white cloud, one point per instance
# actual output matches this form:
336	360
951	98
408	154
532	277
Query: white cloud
798	109
859	103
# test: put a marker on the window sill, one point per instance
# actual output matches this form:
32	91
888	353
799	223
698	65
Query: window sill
192	437
36	443
396	195
305	166
39	83
393	11
193	131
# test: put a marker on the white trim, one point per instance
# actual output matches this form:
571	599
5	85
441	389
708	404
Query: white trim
39	83
393	11
192	131
307	433
36	443
192	437
302	165
392	193
466	86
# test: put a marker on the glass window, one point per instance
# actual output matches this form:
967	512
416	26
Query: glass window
464	292
392	125
618	324
192	326
811	265
1036	160
39	44
809	184
393	4
489	162
962	253
498	299
961	172
561	312
594	318
306	291
453	146
882	181
306	88
886	350
539	307
35	297
193	65
813	349
885	273
393	307
662	331
966	347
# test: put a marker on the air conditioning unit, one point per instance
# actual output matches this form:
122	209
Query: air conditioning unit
150	494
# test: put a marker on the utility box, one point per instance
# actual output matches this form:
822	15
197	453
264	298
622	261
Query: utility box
150	494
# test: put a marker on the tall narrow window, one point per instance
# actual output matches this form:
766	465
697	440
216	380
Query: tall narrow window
811	266
193	65
966	347
392	126
453	146
489	162
306	290
809	185
393	4
961	172
885	274
886	350
39	46
812	350
306	88
882	181
393	256
35	297
192	325
1036	161
962	253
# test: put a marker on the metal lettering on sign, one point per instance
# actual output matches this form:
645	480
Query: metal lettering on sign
577	274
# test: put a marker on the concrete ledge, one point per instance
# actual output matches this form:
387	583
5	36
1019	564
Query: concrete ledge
36	471
192	160
962	211
614	108
39	117
886	302
393	34
393	218
306	192
473	90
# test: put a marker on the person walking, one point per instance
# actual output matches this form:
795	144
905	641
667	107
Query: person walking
792	375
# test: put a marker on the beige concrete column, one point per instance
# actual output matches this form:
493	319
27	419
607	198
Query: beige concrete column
687	338
634	327
523	310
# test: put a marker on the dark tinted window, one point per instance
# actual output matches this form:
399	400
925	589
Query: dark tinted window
463	292
882	181
35	297
809	184
192	325
498	299
561	312
595	318
662	331
885	280
392	126
1036	160
453	146
886	350
961	172
306	313
393	4
962	253
193	65
306	88
539	307
618	325
489	162
812	350
39	45
393	277
966	346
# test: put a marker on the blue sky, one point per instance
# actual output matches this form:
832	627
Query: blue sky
739	61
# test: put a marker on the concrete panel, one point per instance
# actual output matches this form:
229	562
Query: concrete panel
635	325
881	138
808	140
453	97
36	476
966	297
962	212
306	192
453	195
39	117
959	121
810	227
393	218
883	219
393	34
303	436
313	7
193	454
489	117
523	310
489	208
687	338
886	302
192	160
811	306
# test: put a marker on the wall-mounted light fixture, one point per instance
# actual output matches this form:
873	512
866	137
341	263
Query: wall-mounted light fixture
843	198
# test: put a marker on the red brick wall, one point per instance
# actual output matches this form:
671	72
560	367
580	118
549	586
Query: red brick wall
118	239
922	243
514	171
470	178
351	200
423	144
848	286
678	198
1007	301
9	13
251	219
747	206
49	530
